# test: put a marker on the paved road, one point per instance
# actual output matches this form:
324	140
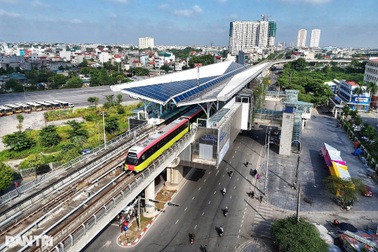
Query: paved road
247	227
77	96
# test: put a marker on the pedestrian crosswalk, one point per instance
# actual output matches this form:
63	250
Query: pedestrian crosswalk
263	220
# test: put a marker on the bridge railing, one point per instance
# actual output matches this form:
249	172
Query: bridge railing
90	227
135	133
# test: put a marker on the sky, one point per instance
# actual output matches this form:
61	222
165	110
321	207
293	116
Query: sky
343	23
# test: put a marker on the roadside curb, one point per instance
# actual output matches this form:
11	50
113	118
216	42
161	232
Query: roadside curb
133	243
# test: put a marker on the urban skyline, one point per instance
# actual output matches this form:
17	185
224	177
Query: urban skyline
343	24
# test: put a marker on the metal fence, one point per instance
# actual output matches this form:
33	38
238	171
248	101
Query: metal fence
135	133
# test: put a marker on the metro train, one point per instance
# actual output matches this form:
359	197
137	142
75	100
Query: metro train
141	155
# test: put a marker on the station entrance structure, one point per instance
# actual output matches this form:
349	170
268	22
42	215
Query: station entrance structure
222	90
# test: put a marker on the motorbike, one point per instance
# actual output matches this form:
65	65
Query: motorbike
225	211
221	231
224	191
230	173
192	238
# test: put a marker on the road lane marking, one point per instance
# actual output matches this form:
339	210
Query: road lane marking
193	198
215	192
209	202
185	209
231	197
202	213
177	221
199	189
216	173
195	227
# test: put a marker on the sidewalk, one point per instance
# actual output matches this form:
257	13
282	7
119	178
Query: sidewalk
134	234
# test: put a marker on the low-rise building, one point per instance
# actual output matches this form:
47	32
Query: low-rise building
355	101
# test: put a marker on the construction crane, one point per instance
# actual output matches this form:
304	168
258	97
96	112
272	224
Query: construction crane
264	17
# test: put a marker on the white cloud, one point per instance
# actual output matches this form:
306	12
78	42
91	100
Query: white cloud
197	9
119	1
9	1
4	13
39	4
113	15
307	1
188	12
75	21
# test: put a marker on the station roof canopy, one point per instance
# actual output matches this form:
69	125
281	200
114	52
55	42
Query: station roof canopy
216	82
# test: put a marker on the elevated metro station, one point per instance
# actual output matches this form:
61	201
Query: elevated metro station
223	91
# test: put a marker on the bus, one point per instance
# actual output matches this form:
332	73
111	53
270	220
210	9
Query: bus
6	110
54	105
45	105
3	110
15	108
25	108
65	104
35	106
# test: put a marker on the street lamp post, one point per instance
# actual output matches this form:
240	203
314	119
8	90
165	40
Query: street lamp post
267	161
103	124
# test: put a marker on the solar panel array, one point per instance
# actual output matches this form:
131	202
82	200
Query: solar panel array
180	90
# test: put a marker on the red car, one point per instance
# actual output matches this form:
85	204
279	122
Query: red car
366	191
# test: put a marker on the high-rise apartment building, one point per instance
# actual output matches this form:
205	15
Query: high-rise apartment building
301	40
146	42
315	38
246	36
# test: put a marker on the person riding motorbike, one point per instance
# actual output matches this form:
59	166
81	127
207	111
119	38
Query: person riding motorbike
224	191
192	236
221	230
225	211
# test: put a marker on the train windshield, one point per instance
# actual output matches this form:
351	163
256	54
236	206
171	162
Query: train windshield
131	158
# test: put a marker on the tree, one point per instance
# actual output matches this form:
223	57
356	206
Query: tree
109	101
372	88
358	91
293	236
93	100
78	135
84	63
48	136
18	141
111	125
346	111
74	82
57	80
165	67
14	85
20	119
6	176
345	188
119	99
299	64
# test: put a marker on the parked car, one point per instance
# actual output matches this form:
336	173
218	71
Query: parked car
366	191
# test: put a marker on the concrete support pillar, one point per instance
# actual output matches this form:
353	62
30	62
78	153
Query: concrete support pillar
286	133
149	192
174	174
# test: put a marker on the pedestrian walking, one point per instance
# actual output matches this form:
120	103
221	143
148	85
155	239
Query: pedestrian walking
15	183
252	194
260	198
